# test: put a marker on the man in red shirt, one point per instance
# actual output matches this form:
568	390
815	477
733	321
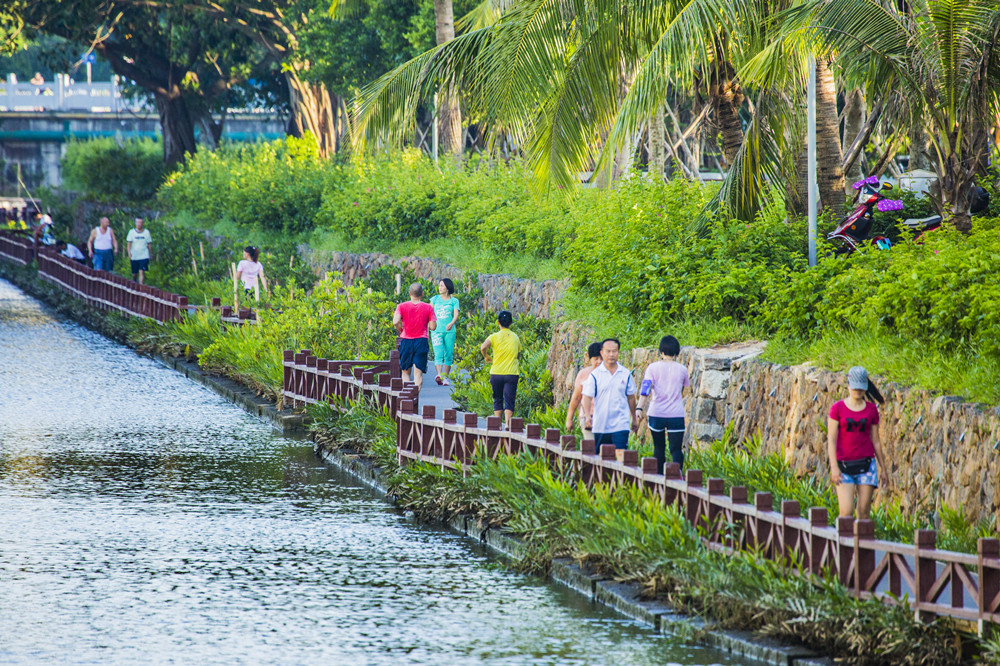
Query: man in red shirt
414	319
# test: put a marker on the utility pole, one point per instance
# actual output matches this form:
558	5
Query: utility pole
811	158
434	131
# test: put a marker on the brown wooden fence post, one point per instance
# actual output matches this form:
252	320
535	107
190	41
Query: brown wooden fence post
864	554
692	503
469	420
845	551
716	490
287	360
988	556
394	370
790	533
925	571
312	378
818	519
763	529
738	497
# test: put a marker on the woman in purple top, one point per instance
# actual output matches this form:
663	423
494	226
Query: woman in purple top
662	387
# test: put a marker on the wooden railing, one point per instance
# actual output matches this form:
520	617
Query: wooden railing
101	289
110	291
16	247
933	582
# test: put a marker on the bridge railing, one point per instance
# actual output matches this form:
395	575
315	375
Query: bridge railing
62	94
16	247
933	582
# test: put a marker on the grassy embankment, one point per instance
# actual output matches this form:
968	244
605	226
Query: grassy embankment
629	536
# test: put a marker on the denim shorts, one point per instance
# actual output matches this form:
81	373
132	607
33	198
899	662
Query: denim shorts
869	478
104	260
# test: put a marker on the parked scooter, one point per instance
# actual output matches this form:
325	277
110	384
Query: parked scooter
979	203
854	229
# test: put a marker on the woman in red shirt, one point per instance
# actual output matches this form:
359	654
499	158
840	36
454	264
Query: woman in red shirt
854	446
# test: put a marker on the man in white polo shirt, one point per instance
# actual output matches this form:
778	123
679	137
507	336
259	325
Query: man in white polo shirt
609	399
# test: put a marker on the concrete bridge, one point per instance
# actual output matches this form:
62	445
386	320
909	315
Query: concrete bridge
37	119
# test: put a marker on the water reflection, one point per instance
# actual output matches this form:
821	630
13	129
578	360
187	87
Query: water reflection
143	519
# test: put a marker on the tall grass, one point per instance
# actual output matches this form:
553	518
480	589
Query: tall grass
630	536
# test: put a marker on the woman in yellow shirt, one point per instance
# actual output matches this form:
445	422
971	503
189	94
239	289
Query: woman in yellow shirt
506	349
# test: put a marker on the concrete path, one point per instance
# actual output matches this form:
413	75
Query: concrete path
438	396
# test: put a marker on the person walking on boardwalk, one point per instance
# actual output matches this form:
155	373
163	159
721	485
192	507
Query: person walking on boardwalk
446	311
139	239
414	319
663	387
854	445
575	402
609	399
505	348
249	270
102	246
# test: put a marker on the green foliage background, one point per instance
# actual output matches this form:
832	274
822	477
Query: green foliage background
104	169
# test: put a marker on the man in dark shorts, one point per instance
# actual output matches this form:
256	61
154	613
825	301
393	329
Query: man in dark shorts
414	320
139	240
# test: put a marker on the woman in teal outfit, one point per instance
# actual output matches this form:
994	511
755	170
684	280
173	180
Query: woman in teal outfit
443	337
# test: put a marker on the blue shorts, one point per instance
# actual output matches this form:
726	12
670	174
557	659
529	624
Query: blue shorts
619	439
869	478
139	265
413	354
104	260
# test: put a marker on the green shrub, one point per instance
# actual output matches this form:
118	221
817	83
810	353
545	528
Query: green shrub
638	250
333	321
404	196
108	170
275	185
938	292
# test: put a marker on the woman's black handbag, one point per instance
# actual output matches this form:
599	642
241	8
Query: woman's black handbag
854	467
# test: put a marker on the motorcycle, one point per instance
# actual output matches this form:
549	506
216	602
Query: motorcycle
853	230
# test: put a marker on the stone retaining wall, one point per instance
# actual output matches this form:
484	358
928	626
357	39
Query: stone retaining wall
500	291
942	449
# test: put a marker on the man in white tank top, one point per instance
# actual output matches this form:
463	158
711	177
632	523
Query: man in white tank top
103	246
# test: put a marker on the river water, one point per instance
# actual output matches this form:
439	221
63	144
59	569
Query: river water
143	519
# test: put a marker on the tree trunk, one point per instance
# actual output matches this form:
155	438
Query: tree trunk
657	146
449	111
829	172
211	131
312	112
918	147
727	97
854	120
177	127
694	142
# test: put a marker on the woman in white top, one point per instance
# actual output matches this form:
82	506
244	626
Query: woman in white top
249	270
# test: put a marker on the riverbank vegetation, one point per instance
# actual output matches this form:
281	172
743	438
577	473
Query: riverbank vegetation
643	258
629	536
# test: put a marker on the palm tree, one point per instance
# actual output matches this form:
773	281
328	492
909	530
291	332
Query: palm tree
449	111
575	80
941	55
